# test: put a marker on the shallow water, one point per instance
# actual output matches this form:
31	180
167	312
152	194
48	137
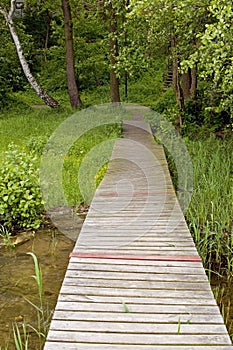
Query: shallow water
223	291
17	283
52	249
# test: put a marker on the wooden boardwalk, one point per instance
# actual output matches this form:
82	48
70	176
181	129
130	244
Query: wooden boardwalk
135	280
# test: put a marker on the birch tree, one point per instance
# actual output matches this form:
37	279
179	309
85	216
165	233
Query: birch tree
8	16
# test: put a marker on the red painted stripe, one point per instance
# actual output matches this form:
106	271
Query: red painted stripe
185	258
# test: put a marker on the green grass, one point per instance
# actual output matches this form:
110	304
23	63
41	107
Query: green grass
210	212
30	129
20	125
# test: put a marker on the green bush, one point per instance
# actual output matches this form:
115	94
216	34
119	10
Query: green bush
21	202
36	144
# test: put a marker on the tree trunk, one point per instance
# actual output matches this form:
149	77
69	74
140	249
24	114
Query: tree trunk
32	81
178	90
126	84
193	88
75	100
114	81
186	84
189	84
176	83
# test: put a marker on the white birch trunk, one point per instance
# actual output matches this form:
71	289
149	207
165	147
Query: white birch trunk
26	69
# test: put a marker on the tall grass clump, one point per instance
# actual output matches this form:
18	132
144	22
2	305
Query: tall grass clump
210	212
22	335
42	317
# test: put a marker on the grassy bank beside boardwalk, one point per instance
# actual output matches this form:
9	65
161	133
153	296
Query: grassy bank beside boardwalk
24	134
210	214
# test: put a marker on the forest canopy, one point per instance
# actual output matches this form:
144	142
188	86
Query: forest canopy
182	51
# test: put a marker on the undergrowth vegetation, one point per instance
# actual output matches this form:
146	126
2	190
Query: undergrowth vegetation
21	200
210	212
25	132
24	137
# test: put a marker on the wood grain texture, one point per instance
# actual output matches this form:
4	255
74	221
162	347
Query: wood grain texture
82	346
135	280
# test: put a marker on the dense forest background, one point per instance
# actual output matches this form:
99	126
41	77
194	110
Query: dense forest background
65	55
173	56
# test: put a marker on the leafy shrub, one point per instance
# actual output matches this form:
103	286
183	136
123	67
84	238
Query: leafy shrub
36	144
21	201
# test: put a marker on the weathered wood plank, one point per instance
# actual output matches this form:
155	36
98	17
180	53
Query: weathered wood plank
157	285
95	242
161	250
137	317
138	308
132	292
137	339
139	252
133	328
124	304
134	276
82	346
137	300
147	263
136	268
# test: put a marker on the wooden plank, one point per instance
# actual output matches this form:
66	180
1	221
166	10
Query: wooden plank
135	280
136	308
136	239
140	285
134	276
137	300
137	339
82	346
137	317
157	254
137	242
132	328
132	292
137	263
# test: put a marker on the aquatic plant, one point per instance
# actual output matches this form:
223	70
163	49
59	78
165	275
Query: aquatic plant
21	340
22	334
43	315
5	234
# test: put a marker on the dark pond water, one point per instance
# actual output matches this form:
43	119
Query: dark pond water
52	250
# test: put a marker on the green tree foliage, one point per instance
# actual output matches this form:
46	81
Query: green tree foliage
11	76
215	56
195	37
198	38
